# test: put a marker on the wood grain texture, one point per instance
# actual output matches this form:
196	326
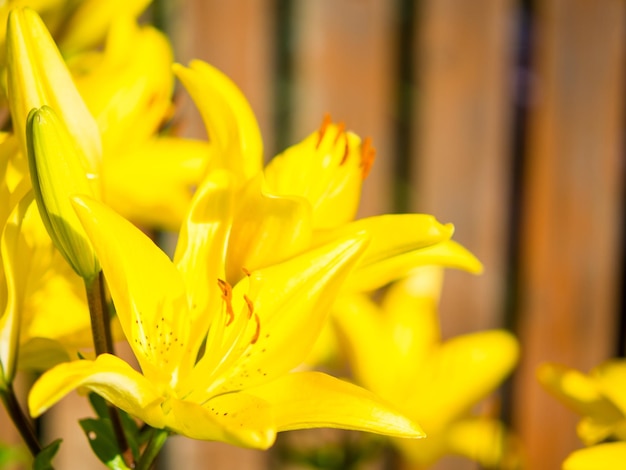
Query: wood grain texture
461	160
572	211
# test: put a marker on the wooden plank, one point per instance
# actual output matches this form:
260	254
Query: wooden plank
572	212
343	65
461	160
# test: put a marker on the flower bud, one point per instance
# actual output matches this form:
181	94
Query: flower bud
37	76
57	174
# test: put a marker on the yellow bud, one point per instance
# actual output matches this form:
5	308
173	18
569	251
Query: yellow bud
57	174
37	76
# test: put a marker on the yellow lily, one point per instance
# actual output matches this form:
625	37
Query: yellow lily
308	195
396	351
600	400
213	357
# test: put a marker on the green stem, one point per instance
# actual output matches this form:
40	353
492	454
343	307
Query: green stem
103	343
100	324
19	418
159	436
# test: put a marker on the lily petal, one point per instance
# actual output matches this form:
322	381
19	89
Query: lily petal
313	399
326	170
267	229
447	253
287	306
108	376
201	251
15	263
152	184
237	418
475	363
609	456
229	120
148	291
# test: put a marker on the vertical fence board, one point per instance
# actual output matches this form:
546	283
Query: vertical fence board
343	65
461	162
572	211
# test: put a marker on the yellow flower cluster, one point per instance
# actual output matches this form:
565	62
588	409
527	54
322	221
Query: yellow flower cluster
265	256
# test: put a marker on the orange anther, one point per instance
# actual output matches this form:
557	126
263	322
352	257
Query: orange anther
346	152
368	155
250	305
227	297
341	130
257	332
325	123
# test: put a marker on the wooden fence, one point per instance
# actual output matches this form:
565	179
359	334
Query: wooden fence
503	117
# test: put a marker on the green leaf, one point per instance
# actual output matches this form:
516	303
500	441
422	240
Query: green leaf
43	460
103	442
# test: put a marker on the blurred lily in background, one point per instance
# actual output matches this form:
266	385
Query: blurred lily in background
599	397
395	349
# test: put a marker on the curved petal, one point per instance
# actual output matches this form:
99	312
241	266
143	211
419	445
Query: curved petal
236	418
577	391
127	89
267	229
326	170
90	21
483	440
395	240
16	266
312	399
611	379
447	253
146	288
475	363
201	251
229	120
287	305
153	183
609	456
371	349
108	376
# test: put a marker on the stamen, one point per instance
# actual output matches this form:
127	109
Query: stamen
346	151
368	155
250	305
227	297
257	332
325	123
341	128
246	272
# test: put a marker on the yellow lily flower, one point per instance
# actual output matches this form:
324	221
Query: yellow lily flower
309	194
396	351
598	397
213	357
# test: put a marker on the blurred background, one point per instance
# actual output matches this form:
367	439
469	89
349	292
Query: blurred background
503	117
